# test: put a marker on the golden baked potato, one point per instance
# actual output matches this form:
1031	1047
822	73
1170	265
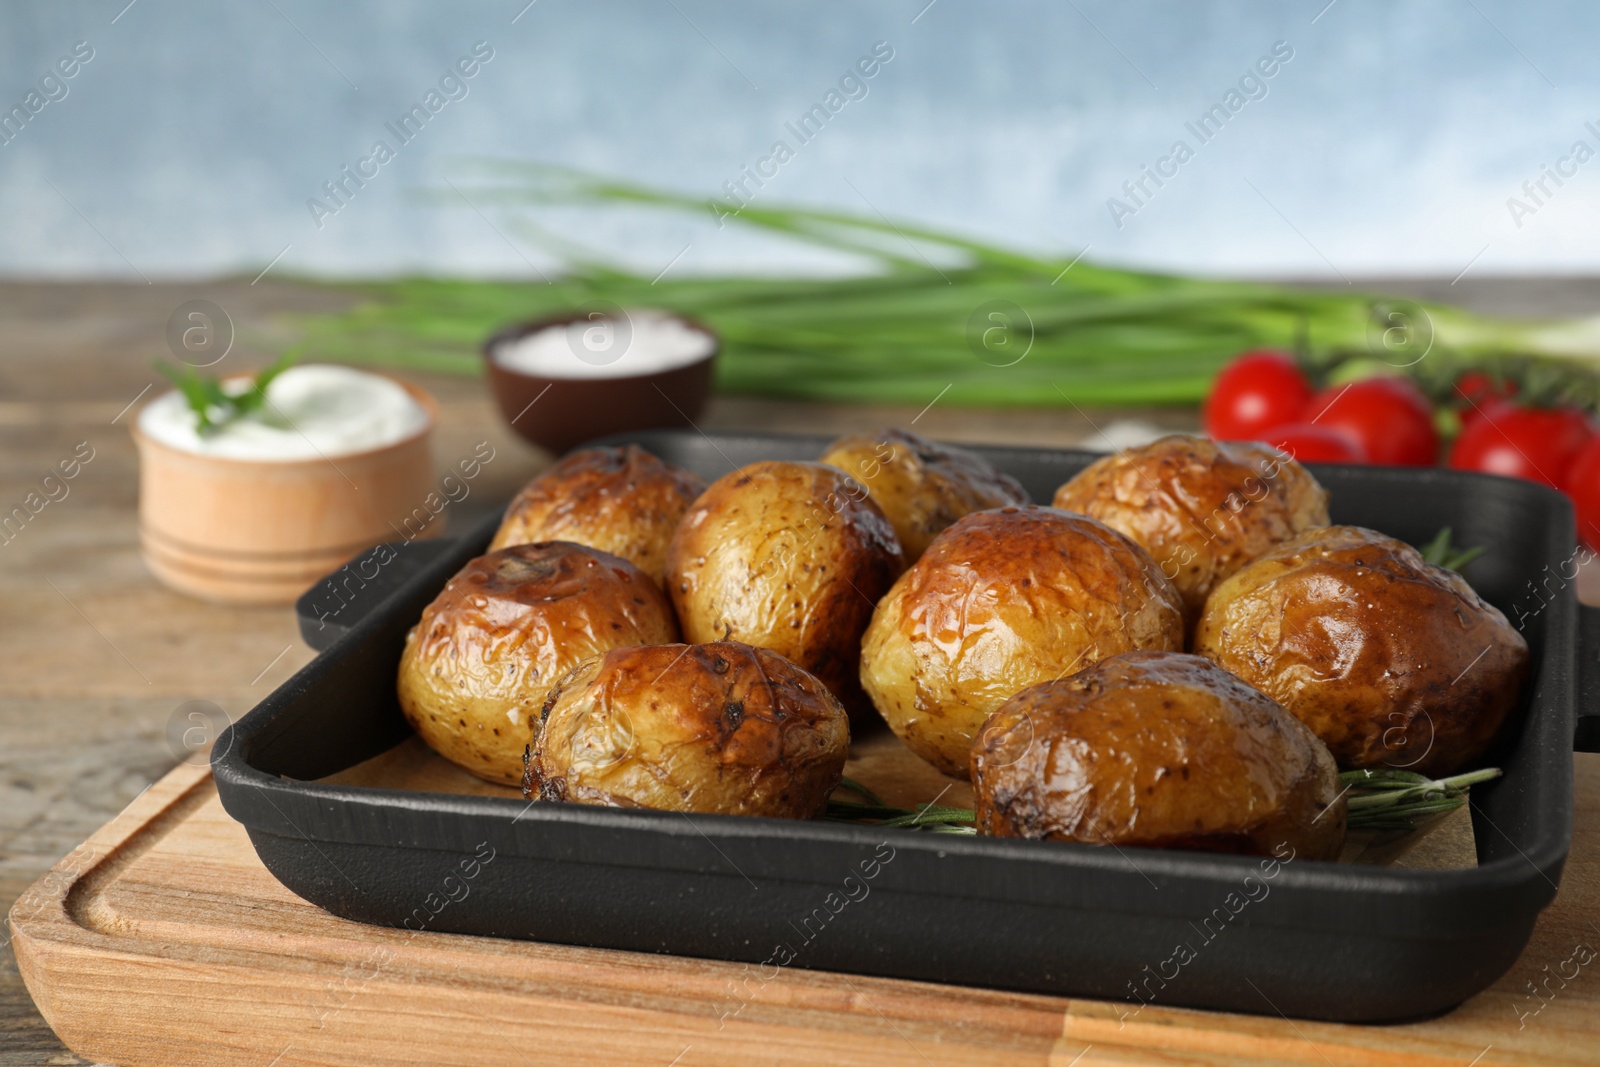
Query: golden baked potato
1392	661
620	500
921	486
1201	508
478	665
725	728
1158	750
1002	600
790	557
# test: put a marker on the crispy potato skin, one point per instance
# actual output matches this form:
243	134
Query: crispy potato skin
922	486
1390	660
1002	600
623	501
1159	750
791	557
1201	508
724	728
477	667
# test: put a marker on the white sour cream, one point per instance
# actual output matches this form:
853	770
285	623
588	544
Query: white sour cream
312	412
642	342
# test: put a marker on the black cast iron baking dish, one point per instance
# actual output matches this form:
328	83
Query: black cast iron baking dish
1324	941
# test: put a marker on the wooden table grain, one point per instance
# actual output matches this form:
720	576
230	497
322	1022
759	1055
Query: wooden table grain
99	659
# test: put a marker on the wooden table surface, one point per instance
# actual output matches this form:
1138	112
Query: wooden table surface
99	658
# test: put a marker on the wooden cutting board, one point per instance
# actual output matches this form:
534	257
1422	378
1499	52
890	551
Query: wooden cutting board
163	941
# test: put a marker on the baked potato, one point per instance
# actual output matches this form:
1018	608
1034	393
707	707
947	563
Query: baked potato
477	667
1158	750
1201	508
1392	661
620	500
786	556
921	486
1002	600
724	728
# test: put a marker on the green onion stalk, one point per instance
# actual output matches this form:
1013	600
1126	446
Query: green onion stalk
928	310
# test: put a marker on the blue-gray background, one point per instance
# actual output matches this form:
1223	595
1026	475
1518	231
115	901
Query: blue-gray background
1389	144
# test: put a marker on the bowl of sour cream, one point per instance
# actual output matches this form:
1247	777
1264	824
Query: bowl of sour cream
564	380
334	461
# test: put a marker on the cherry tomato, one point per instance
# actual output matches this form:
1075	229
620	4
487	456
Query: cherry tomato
1538	444
1489	406
1310	443
1479	392
1388	417
1583	485
1257	391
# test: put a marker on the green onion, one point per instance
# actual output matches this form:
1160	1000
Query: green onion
907	327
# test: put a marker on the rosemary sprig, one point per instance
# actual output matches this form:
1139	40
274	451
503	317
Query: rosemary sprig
931	817
856	787
1380	800
1441	553
1394	799
215	407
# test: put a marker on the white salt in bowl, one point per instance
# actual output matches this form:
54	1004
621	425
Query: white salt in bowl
567	379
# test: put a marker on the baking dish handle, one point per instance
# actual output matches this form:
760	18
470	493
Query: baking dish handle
338	601
1586	733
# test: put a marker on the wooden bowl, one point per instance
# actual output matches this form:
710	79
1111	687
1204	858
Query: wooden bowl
263	531
559	413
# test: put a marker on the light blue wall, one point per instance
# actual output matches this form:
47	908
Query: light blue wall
1389	143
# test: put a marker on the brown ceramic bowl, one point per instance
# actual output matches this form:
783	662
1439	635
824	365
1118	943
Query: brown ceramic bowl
558	413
